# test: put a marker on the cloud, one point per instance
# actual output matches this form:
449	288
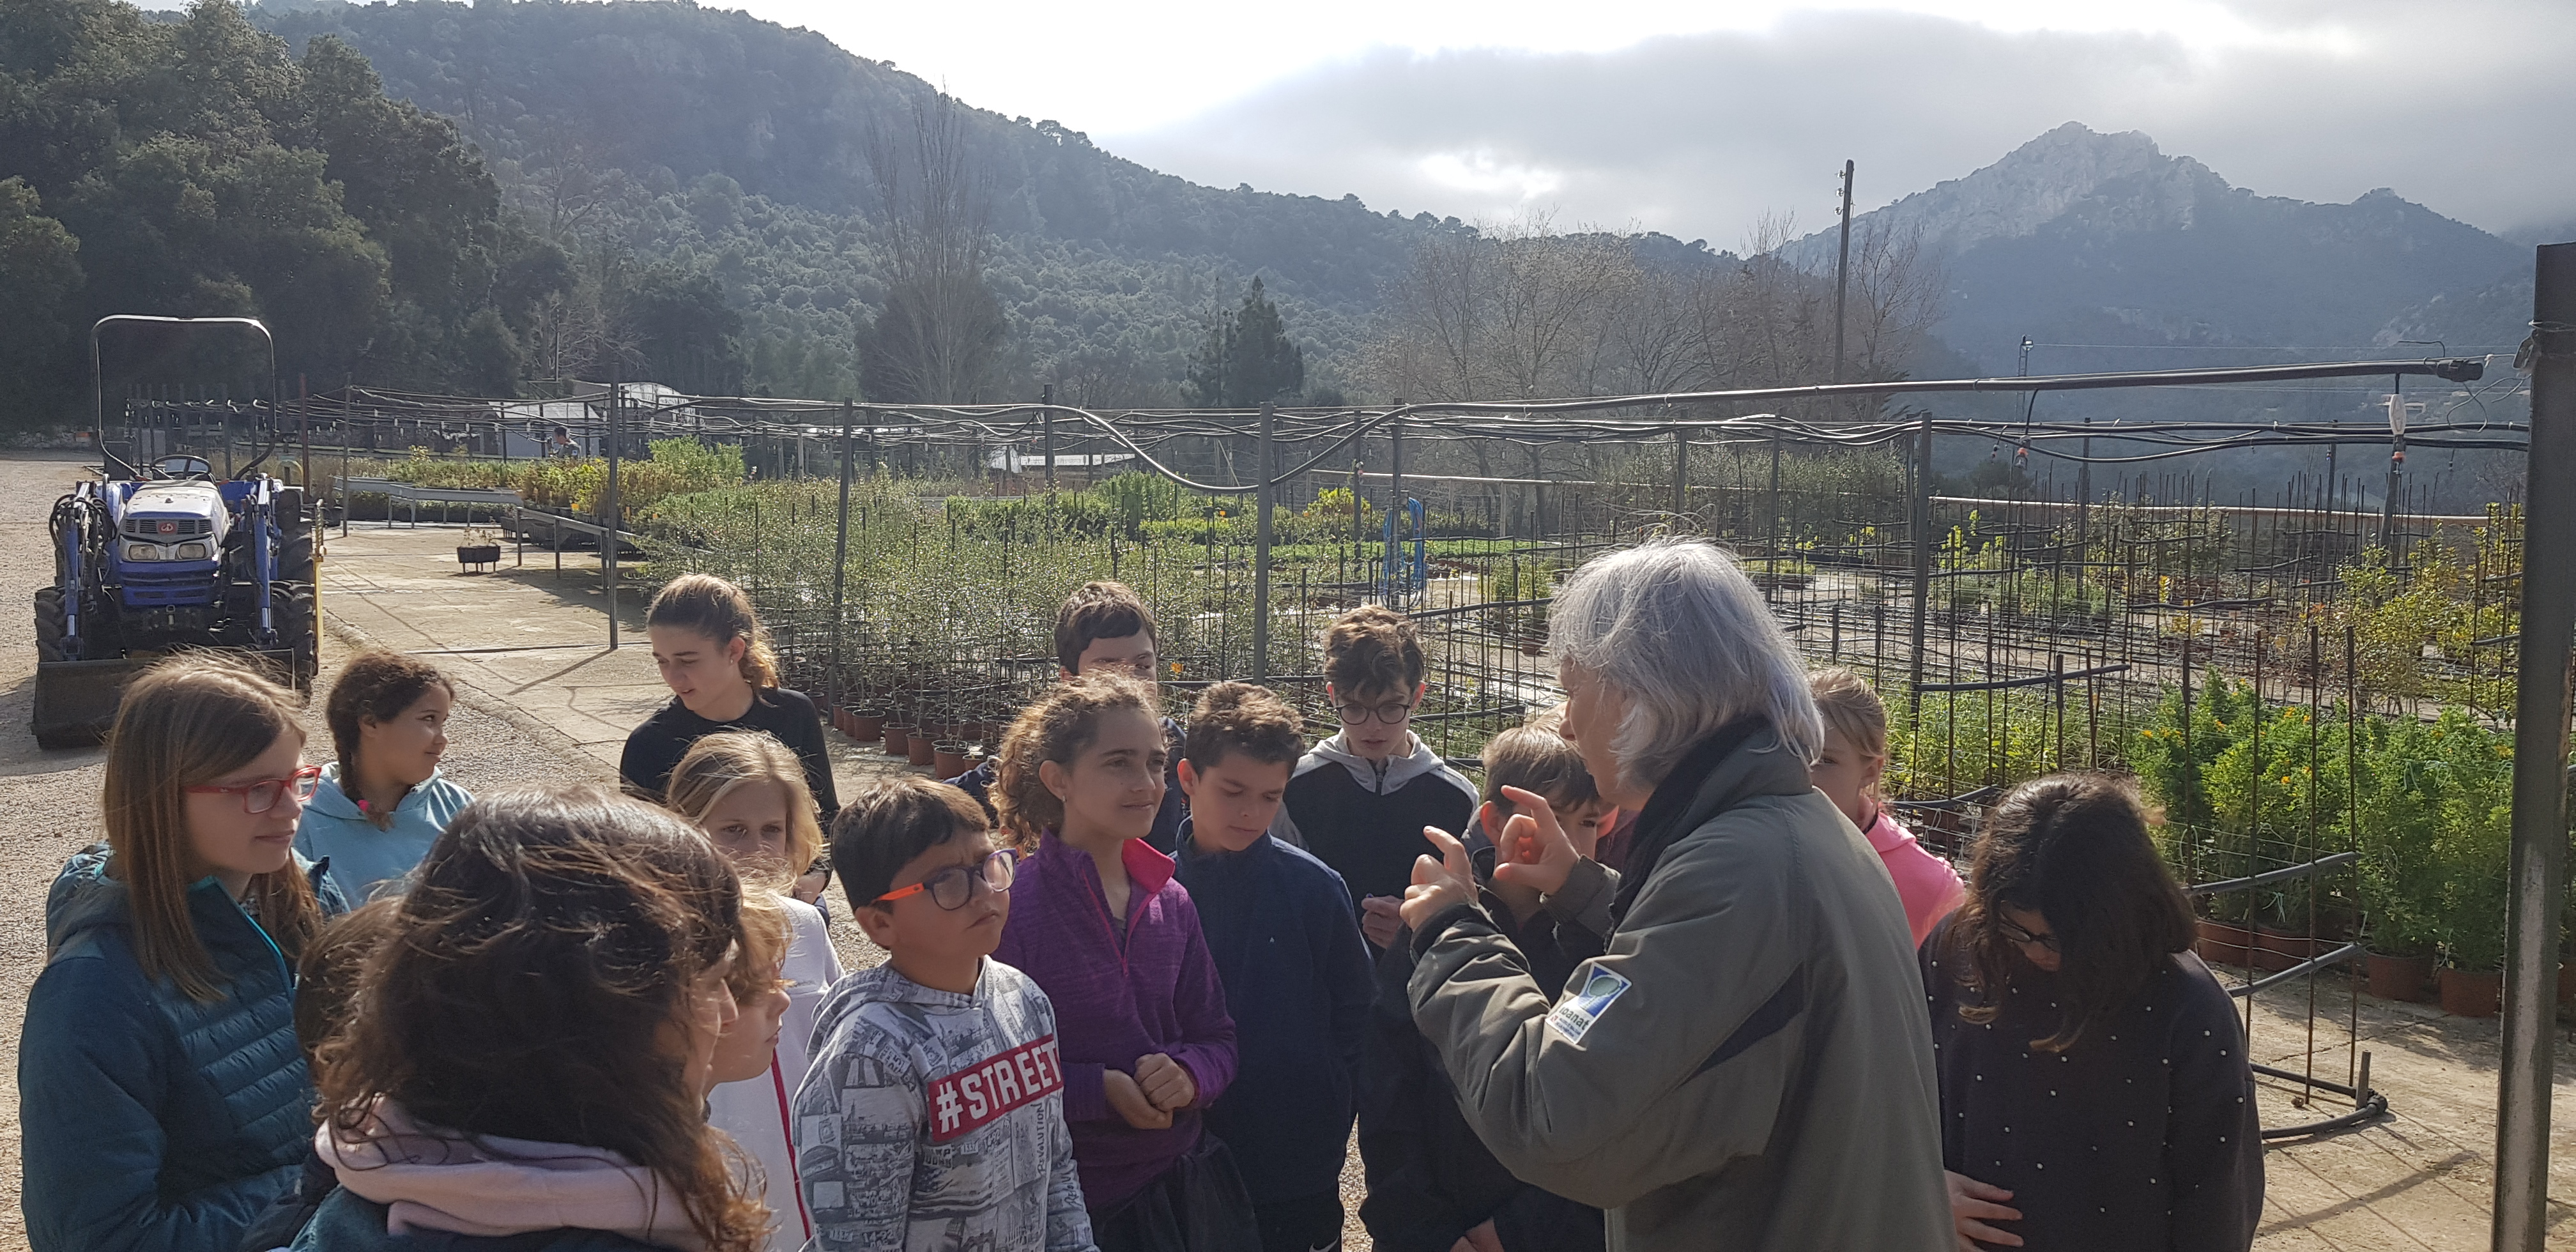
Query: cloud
2462	107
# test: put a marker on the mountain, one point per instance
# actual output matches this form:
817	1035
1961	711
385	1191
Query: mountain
2081	238
743	145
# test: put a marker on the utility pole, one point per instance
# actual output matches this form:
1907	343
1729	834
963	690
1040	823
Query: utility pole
1262	493
2396	467
2540	731
1842	272
1046	400
841	557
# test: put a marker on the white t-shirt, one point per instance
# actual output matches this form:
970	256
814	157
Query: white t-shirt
757	1111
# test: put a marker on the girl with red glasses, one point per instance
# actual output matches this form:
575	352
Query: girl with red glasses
163	1100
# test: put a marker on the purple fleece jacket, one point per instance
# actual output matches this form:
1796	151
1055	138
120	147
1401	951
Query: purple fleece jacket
1115	1002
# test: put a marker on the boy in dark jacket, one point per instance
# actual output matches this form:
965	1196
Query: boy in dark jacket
1359	801
1431	1182
1287	946
1103	626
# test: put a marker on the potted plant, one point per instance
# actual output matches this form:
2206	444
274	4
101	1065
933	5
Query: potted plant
898	740
921	748
2475	845
867	723
482	547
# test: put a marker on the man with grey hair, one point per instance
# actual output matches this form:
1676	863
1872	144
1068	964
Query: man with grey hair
1749	1064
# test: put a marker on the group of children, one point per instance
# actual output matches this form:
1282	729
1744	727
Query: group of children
1143	975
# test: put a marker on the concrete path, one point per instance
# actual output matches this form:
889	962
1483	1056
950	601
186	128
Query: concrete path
529	635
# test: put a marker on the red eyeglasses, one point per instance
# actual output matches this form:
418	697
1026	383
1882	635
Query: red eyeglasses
263	795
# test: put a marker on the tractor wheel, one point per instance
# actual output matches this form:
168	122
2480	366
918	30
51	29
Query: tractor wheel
295	558
295	635
50	624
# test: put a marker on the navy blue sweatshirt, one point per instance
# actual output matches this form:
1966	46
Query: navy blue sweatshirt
1287	947
1365	819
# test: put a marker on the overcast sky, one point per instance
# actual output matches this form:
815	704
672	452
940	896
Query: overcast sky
1696	118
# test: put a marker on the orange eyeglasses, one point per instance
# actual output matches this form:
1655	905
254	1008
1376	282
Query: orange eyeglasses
951	887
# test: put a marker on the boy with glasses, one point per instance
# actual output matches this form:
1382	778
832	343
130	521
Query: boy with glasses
934	1114
1360	799
1104	628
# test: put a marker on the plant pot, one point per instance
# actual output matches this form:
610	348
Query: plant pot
921	749
2224	943
867	724
478	554
898	740
949	759
2399	977
840	719
2275	950
2471	993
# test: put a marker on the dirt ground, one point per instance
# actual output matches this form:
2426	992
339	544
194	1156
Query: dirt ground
2417	1180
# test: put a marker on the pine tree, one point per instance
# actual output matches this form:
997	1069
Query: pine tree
1247	358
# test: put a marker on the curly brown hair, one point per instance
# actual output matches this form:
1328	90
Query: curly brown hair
1241	717
2074	848
1373	649
707	605
1056	728
527	986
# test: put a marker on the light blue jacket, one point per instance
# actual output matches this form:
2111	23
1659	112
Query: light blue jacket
362	855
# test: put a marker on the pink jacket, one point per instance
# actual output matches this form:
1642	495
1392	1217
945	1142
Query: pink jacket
1924	882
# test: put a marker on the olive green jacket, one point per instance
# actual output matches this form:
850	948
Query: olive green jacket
1748	1066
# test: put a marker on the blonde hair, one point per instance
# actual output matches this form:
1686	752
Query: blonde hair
707	605
187	722
1850	709
766	934
1056	728
716	764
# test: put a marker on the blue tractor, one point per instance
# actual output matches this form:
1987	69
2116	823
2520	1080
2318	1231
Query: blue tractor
168	559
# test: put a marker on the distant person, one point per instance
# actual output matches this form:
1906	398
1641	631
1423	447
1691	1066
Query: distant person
1432	1184
747	792
1287	946
1104	628
1361	798
1748	1056
714	656
1849	770
513	1082
561	444
162	1101
935	1109
1099	922
2095	1091
383	801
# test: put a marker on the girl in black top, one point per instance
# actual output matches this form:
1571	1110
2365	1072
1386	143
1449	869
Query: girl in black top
2095	1092
714	655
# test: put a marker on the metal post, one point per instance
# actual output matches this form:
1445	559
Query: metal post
1681	472
1922	528
841	555
1046	399
1842	272
2396	466
2540	734
608	511
1394	504
1261	494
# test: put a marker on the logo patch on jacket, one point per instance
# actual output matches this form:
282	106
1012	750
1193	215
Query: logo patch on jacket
1574	1017
981	1092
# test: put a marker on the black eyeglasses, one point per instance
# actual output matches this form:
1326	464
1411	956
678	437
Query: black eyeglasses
2015	934
951	887
1359	714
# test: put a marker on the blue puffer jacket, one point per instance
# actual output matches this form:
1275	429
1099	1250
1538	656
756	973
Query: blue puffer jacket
152	1122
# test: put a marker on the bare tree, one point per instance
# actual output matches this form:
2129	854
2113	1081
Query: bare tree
941	333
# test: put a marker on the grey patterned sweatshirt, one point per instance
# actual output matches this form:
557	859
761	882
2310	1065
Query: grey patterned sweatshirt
933	1120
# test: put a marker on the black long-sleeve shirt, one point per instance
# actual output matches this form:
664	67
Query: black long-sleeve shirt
2142	1137
654	749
